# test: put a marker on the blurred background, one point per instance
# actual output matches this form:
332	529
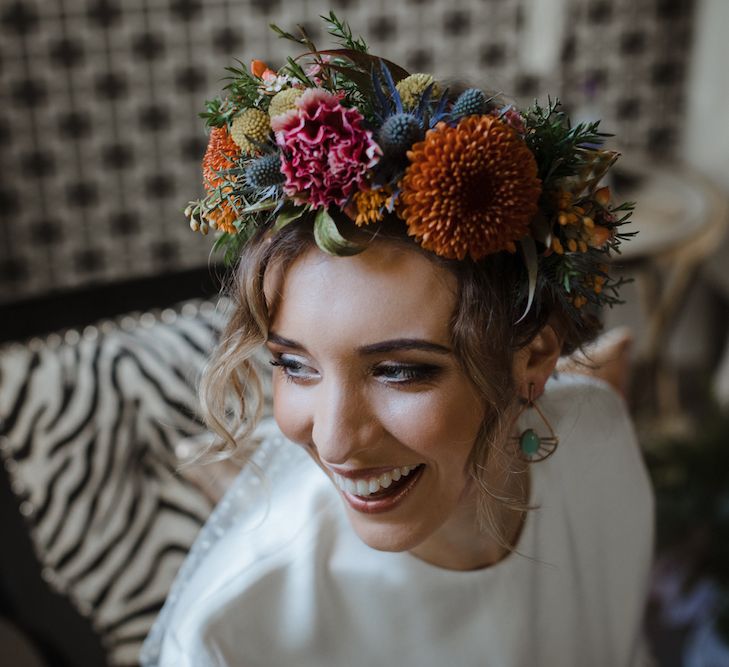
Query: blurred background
107	299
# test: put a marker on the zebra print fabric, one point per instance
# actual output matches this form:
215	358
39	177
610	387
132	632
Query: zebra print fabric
89	427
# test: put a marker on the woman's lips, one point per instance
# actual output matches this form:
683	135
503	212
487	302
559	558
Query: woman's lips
384	498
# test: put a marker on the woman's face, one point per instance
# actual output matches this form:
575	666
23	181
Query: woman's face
367	382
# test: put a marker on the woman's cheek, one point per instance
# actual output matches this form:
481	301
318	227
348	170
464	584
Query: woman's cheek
291	410
416	419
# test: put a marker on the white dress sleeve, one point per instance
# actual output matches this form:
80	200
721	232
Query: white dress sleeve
242	508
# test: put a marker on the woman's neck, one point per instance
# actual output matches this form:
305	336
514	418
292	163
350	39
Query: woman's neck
460	544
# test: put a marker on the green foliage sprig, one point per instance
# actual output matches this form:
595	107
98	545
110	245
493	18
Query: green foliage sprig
342	32
554	142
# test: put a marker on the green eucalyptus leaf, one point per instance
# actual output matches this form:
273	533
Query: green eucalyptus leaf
329	239
288	214
529	252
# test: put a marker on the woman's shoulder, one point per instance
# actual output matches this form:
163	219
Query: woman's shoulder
253	534
597	473
591	419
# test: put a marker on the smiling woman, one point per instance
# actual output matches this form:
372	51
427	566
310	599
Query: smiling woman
423	270
374	388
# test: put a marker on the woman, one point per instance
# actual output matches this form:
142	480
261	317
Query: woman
428	260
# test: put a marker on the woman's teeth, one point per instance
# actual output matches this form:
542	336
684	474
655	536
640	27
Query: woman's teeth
366	487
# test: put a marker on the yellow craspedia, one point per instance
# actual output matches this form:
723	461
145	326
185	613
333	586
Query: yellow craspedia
251	124
284	101
412	87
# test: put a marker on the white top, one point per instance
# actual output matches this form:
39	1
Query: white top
289	583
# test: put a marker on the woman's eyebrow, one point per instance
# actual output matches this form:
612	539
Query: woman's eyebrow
395	345
284	342
404	344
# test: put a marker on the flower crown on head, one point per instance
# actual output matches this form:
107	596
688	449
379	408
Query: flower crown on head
468	175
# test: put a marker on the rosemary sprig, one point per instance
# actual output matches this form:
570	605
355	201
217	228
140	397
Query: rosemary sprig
342	32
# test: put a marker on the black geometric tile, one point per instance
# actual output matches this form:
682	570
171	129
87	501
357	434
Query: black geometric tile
492	54
457	23
104	13
118	156
19	19
228	40
82	194
89	260
569	49
420	60
632	43
596	78
68	53
666	73
46	231
111	85
153	117
159	186
628	108
190	78
10	199
29	92
13	270
74	125
312	28
672	9
383	28
164	251
39	164
268	6
124	223
526	85
148	46
599	12
185	10
660	139
193	148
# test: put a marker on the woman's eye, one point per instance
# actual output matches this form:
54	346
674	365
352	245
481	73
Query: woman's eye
406	373
293	368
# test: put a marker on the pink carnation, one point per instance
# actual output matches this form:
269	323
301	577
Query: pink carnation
326	149
512	117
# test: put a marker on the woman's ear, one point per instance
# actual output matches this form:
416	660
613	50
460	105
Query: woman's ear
534	363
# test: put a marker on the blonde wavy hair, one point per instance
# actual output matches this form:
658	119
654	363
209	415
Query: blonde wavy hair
484	337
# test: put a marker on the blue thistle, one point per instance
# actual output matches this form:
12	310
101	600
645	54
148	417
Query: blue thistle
265	172
399	132
470	102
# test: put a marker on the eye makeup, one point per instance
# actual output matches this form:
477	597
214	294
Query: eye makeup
386	372
293	370
403	374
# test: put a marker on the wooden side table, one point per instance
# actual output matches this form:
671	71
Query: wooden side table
681	219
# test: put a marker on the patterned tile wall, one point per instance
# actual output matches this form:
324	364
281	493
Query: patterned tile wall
99	137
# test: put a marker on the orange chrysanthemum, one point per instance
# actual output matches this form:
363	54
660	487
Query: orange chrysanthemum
471	189
219	156
370	205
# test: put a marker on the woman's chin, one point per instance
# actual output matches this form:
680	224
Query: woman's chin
391	538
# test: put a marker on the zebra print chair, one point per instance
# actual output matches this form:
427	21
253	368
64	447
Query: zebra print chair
92	422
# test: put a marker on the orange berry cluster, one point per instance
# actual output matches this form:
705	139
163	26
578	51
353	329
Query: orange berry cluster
577	222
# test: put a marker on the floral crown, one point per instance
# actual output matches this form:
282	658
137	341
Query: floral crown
468	175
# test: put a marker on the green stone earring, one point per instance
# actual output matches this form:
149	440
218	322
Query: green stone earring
531	446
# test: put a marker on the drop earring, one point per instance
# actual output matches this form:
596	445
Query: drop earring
529	445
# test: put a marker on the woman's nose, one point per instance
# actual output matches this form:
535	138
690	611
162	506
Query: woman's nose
344	423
